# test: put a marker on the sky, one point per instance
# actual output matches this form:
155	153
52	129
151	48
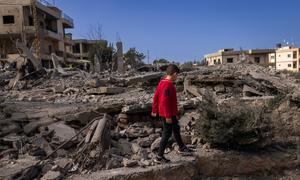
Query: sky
184	30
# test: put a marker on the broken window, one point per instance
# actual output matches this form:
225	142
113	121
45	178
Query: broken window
8	19
76	48
257	60
229	60
295	64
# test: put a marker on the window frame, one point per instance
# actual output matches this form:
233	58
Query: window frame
6	16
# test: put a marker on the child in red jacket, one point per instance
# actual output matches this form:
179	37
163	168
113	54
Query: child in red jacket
165	105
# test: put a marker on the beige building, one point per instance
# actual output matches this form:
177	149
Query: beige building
225	56
81	48
286	58
16	21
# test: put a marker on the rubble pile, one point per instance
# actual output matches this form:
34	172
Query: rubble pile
74	122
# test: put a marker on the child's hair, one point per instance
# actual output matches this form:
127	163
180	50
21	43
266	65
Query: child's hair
172	68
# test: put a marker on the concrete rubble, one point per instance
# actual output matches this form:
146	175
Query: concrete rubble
80	125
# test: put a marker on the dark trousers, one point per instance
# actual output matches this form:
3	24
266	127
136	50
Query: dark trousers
167	133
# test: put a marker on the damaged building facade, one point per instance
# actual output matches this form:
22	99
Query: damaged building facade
17	23
227	56
282	58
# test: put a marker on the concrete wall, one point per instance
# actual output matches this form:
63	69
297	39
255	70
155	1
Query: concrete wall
17	12
264	58
235	58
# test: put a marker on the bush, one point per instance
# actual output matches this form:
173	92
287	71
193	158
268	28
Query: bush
239	125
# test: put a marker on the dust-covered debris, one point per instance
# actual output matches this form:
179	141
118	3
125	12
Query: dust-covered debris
77	122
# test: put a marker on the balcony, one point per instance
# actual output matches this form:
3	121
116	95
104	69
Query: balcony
46	7
68	39
67	21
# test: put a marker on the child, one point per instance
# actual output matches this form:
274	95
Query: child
165	105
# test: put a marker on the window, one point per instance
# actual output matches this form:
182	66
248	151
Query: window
8	19
30	20
215	61
257	60
295	55
219	61
289	65
229	60
295	64
272	57
289	55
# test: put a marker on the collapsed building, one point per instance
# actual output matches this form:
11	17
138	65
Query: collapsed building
80	125
17	22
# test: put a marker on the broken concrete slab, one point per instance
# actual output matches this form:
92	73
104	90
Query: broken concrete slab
62	132
11	170
106	90
249	91
52	175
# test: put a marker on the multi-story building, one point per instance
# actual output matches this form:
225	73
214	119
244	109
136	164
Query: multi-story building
225	56
82	47
16	22
286	58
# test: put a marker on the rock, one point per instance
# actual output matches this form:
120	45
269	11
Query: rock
144	142
113	163
135	148
123	118
153	137
137	108
95	83
123	145
32	126
11	170
64	164
143	153
195	140
129	163
115	151
158	130
10	128
155	144
52	175
58	89
62	132
144	162
219	88
14	140
139	130
106	90
249	91
143	78
187	139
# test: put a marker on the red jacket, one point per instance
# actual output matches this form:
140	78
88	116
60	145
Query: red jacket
165	99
